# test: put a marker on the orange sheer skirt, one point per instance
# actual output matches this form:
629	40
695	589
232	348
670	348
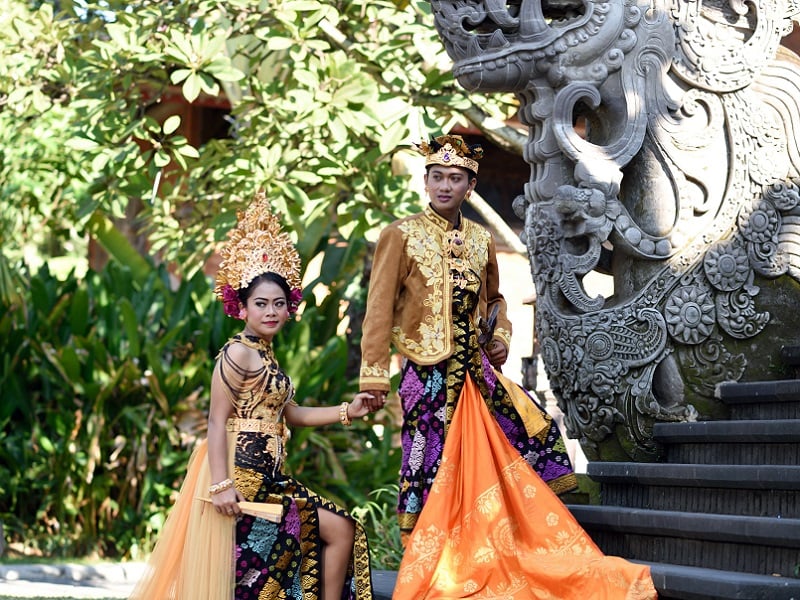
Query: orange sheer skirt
193	559
491	528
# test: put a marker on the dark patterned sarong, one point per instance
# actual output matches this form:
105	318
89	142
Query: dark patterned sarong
283	560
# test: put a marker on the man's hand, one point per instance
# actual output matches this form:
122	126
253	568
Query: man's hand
497	353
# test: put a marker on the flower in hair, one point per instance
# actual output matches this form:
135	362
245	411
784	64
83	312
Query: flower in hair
230	300
295	297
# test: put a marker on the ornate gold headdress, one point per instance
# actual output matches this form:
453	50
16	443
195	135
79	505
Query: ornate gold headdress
451	151
256	245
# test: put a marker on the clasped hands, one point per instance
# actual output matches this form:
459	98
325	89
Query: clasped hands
365	402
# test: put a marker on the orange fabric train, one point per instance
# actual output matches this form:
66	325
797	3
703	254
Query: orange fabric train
491	528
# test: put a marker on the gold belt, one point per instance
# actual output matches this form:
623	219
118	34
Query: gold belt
257	425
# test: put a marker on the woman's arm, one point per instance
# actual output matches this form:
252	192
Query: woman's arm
315	416
224	501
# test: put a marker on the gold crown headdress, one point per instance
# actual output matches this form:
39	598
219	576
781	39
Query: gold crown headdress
256	245
451	151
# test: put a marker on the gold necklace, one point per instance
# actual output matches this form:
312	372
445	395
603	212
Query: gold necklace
455	249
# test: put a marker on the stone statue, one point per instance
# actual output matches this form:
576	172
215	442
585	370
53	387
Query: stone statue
663	151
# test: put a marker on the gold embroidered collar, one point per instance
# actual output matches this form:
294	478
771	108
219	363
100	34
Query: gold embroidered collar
441	221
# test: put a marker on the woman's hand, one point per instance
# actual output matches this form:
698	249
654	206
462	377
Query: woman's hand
226	502
497	353
364	403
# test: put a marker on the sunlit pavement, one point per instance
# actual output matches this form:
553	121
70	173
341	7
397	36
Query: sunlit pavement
69	581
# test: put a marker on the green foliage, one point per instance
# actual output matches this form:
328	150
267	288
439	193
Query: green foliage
104	383
379	518
322	94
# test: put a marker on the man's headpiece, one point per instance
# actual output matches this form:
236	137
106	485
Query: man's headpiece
255	246
451	151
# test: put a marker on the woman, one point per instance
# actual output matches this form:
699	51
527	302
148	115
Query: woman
242	528
466	517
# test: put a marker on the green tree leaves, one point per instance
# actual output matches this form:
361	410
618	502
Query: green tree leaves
201	63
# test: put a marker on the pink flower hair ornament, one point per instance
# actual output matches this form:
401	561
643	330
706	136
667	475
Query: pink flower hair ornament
230	300
232	305
295	297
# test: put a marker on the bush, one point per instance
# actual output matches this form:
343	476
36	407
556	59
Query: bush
105	392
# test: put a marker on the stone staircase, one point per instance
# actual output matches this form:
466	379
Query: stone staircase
720	516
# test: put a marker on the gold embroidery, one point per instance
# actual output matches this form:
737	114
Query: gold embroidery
454	541
374	370
515	585
455	243
406	521
445	258
504	335
484	555
255	425
447	471
563	484
504	537
248	482
427	545
488	503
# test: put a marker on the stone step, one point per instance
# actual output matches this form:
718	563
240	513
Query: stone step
790	355
677	582
757	531
771	477
752	442
778	399
756	503
714	489
383	583
750	431
757	545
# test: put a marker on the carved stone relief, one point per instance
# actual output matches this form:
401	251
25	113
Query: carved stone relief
662	143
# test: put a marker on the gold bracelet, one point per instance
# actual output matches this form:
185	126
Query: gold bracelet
216	488
343	417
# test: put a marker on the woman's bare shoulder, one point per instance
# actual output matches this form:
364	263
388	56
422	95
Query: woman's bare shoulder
242	355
